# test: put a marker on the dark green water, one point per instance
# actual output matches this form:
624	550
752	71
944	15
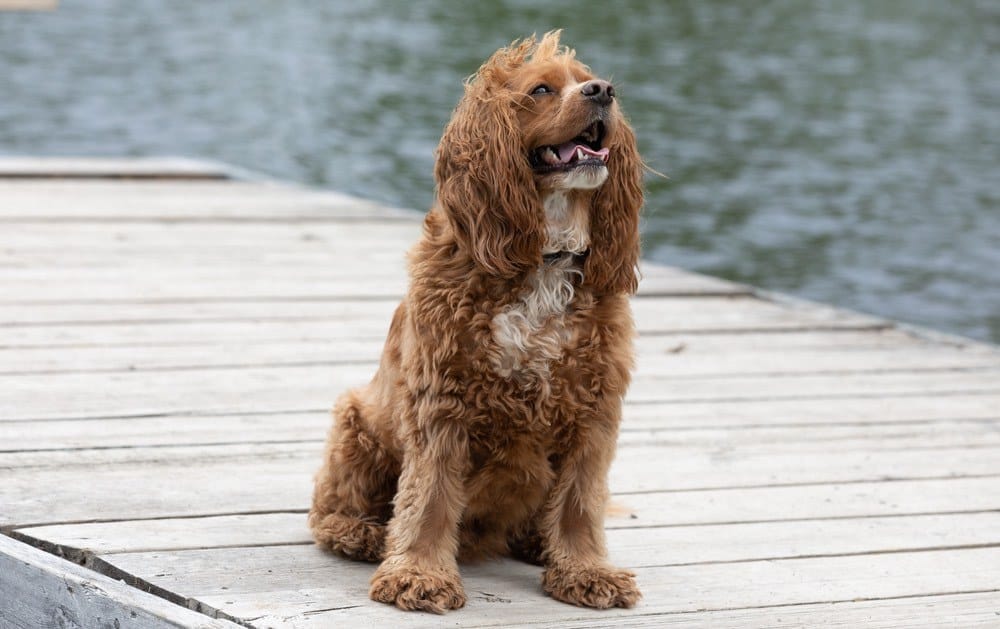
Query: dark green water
846	151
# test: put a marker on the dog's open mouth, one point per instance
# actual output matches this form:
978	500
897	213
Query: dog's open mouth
583	150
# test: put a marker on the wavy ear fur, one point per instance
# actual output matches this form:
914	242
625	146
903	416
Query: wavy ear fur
484	181
614	224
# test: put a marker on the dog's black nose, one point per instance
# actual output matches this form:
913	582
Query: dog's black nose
601	92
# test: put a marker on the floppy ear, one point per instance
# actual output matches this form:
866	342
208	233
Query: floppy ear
611	266
484	181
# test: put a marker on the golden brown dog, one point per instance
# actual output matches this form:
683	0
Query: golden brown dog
491	422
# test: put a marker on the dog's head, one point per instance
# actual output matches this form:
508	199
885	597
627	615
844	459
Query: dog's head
535	120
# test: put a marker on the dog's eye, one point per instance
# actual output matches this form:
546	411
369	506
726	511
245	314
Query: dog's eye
541	89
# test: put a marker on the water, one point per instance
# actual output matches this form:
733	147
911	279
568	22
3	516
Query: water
846	151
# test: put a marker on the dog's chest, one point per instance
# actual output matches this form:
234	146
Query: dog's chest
535	330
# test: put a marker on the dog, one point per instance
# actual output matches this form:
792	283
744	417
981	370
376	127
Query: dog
491	422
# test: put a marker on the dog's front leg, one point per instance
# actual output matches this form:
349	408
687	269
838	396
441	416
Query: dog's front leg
572	525
420	571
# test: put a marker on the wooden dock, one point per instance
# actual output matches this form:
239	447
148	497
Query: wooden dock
172	337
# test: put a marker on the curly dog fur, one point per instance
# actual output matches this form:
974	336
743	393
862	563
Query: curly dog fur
492	420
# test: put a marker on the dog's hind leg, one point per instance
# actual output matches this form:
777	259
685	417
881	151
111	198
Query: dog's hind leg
354	488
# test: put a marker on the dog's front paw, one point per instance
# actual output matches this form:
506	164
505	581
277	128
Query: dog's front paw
598	586
410	588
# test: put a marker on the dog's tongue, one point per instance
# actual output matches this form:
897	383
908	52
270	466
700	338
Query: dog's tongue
568	151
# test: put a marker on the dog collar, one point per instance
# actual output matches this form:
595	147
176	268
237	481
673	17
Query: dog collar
552	258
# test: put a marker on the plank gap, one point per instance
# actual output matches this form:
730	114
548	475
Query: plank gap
786	373
180	177
658	294
811	396
14	529
782	329
884	479
164	446
694	613
169	414
805	326
637	403
297	220
825	518
865	553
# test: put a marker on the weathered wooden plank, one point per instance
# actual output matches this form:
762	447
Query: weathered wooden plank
316	386
651	358
164	431
811	501
672	352
302	581
44	487
679	545
785	341
216	241
191	201
651	314
40	590
667	344
684	456
323	333
900	435
971	419
635	547
655	389
294	249
237	454
297	246
193	486
193	280
131	432
76	541
651	509
134	286
736	467
686	365
863	411
357	243
74	267
233	244
106	167
292	253
657	279
42	292
178	334
50	298
206	331
926	612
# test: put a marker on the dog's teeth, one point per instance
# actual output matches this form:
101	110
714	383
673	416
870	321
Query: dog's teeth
579	154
